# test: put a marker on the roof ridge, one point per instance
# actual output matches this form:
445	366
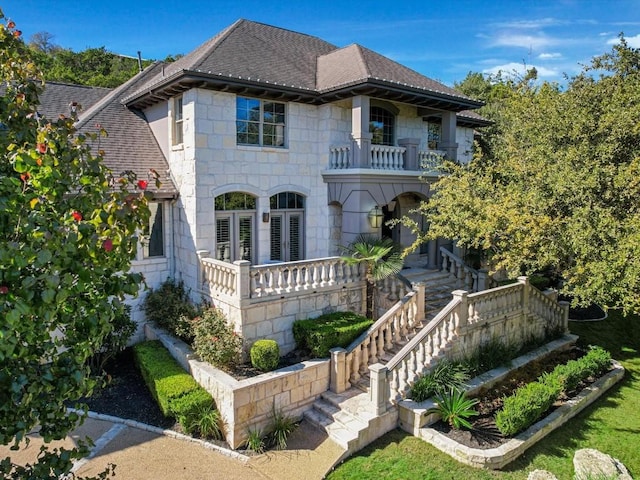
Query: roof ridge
116	92
93	87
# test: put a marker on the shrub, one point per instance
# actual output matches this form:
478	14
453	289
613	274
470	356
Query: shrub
446	375
454	408
165	378
525	406
115	341
171	308
337	329
215	341
265	355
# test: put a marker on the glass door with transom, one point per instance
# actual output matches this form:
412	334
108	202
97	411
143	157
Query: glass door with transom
235	219
287	227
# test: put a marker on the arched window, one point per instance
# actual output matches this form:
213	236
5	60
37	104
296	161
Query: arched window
381	125
287	226
235	219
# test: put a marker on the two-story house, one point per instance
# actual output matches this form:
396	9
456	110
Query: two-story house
274	146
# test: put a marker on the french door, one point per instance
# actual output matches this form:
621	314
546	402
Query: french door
234	237
287	236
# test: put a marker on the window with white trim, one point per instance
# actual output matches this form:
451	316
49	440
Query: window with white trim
178	123
260	122
235	218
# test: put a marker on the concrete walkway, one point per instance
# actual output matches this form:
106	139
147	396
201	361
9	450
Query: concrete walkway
143	452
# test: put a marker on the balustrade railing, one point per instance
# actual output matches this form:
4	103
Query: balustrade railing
339	157
385	157
393	328
556	314
219	277
243	280
468	278
430	160
278	278
501	301
420	353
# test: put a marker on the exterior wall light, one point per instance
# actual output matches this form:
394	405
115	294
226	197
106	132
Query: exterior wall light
265	217
375	217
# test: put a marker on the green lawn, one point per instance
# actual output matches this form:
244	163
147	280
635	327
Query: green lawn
611	424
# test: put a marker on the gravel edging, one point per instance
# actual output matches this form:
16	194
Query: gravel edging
162	431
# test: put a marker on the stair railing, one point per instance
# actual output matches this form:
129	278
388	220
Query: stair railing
466	277
350	364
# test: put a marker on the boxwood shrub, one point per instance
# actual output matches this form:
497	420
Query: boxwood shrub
321	334
527	404
176	392
265	355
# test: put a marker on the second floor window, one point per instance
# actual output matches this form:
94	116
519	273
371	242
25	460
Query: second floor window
381	125
260	122
177	121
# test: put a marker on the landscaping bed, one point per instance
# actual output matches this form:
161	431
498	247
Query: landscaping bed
125	394
485	434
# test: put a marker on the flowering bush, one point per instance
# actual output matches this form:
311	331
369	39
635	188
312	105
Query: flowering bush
215	340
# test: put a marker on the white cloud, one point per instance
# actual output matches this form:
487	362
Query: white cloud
549	56
526	41
531	24
520	69
633	42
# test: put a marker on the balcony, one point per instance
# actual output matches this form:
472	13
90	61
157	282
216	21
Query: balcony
388	158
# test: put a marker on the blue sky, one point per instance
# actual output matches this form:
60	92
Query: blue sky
442	39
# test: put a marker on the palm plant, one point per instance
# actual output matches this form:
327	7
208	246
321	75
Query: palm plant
381	258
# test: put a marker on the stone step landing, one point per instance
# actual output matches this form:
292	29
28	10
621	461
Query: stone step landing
349	420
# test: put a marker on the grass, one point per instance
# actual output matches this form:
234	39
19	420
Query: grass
611	425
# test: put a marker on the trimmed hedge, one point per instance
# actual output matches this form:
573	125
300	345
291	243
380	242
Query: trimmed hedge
337	329
527	404
265	355
176	392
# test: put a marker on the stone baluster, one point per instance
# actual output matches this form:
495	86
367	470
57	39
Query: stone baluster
364	356
373	348
355	368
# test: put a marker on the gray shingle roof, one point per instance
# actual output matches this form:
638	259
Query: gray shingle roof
57	96
262	56
355	63
130	144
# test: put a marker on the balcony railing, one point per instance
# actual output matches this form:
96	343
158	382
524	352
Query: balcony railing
384	157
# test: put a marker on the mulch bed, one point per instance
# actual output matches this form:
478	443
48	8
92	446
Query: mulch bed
485	434
126	396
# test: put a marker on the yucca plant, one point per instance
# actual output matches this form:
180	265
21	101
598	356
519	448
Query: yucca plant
455	408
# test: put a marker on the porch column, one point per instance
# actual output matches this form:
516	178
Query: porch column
448	135
360	136
433	262
411	153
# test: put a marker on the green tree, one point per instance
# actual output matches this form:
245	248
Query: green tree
381	259
559	189
68	236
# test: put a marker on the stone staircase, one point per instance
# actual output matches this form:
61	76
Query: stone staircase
348	418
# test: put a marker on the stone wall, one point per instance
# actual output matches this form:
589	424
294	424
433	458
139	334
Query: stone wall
273	317
249	404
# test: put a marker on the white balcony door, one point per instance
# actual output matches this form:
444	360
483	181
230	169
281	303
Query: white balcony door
287	236
234	237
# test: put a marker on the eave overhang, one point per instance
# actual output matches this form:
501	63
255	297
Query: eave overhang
184	80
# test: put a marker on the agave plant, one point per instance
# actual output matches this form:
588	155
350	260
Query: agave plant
455	408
